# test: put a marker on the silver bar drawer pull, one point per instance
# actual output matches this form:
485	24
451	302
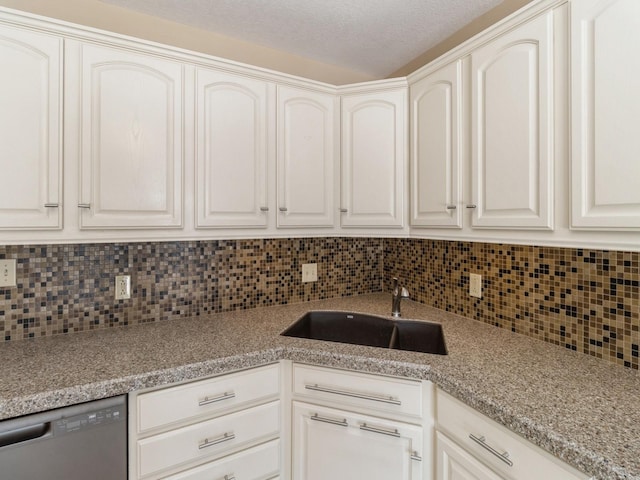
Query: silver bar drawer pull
219	398
84	205
451	207
283	209
317	418
504	456
51	205
231	476
206	443
415	456
383	431
472	206
343	210
264	209
346	393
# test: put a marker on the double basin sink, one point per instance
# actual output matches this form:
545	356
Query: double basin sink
371	330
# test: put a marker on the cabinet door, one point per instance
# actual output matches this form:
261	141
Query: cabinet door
339	445
131	122
306	158
455	463
605	109
512	128
373	159
30	130
232	149
436	151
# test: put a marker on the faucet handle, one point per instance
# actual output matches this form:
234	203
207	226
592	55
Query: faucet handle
404	293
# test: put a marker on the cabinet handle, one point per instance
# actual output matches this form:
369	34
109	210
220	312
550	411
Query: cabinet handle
343	210
84	205
415	456
346	393
382	431
472	206
206	443
219	398
451	207
51	205
264	209
504	456
283	209
231	476
317	418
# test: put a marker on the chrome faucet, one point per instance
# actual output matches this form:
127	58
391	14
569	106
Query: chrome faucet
398	294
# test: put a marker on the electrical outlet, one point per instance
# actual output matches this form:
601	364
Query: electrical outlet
8	273
309	272
123	287
475	285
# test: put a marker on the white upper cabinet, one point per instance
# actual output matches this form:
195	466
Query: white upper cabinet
30	130
512	128
436	149
605	111
233	118
374	141
306	140
131	124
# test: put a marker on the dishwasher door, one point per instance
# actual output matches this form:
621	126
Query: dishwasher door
81	442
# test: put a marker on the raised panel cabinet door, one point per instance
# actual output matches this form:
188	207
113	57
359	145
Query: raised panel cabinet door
436	152
131	163
373	159
233	114
340	445
455	463
512	128
30	130
605	110
306	158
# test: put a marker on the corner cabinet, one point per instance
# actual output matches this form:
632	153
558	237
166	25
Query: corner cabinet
512	126
605	109
234	119
374	143
30	130
437	150
130	135
306	160
349	425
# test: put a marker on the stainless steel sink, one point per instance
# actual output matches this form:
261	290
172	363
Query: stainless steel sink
371	330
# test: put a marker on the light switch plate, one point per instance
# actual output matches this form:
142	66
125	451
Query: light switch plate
309	272
8	273
475	285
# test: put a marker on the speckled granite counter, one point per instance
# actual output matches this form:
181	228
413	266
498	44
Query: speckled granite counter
582	410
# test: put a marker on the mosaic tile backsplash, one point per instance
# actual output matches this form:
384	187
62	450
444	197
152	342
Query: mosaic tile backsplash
70	288
584	300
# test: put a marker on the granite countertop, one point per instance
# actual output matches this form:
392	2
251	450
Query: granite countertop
581	409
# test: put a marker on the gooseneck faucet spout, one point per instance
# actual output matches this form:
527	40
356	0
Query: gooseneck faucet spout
398	294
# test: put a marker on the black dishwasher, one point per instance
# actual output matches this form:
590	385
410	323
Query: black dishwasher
80	442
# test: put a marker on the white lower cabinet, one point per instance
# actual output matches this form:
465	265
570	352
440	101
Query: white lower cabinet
219	428
340	445
472	446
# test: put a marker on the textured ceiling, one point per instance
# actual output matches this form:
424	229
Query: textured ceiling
374	37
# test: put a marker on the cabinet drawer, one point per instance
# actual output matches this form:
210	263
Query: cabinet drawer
506	453
257	463
359	389
176	404
207	439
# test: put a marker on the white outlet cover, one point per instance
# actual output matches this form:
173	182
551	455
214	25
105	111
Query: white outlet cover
309	272
123	287
8	273
475	285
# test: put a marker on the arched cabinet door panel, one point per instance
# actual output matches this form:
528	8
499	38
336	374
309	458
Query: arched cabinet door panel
131	162
605	109
30	130
232	147
512	128
436	150
373	159
306	158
